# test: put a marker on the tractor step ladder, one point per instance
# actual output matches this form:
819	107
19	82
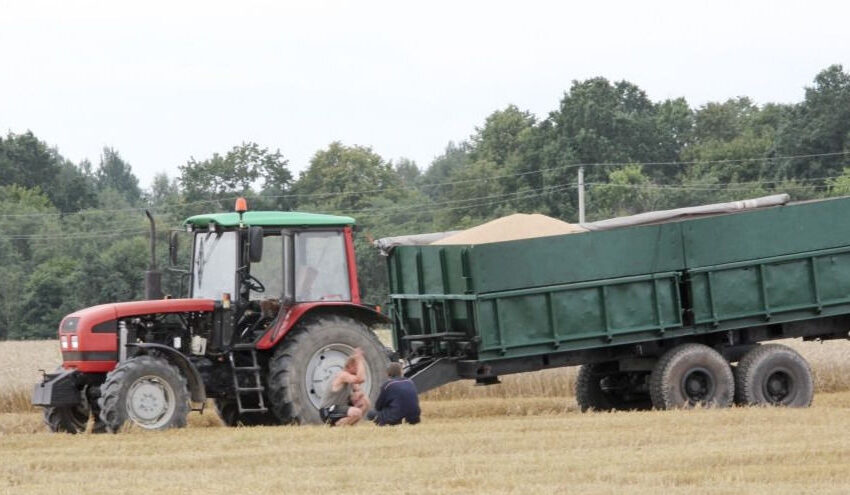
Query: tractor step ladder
247	371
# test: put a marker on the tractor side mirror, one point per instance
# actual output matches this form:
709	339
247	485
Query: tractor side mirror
172	247
255	244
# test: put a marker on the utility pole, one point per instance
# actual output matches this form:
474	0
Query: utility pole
581	195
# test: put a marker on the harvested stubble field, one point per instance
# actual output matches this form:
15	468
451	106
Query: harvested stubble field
473	440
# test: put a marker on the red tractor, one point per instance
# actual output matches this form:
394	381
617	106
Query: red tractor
273	312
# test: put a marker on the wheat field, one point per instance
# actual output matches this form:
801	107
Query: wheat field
523	436
730	451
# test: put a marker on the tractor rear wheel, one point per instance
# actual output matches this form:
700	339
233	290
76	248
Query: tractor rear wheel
67	419
691	375
602	387
773	375
310	356
228	412
147	391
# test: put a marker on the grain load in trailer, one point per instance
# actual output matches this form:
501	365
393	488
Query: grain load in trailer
510	228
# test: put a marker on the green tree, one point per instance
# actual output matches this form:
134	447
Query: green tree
628	191
338	176
605	122
114	173
601	122
16	251
49	294
119	271
236	173
840	186
675	122
820	124
164	190
28	162
407	171
493	179
453	158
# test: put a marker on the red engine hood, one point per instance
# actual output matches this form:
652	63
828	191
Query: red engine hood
105	312
95	330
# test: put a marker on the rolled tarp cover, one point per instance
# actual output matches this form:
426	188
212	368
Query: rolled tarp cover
386	244
668	215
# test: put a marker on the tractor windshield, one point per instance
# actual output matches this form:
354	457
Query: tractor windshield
214	265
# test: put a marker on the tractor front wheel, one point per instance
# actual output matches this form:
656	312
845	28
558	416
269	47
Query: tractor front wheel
147	391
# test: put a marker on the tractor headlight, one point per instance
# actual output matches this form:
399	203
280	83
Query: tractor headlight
64	340
75	342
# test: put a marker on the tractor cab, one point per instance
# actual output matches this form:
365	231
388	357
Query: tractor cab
263	261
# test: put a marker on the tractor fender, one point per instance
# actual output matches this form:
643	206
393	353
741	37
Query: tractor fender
193	377
286	321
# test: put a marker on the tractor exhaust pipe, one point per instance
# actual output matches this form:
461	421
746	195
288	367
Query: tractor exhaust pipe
153	277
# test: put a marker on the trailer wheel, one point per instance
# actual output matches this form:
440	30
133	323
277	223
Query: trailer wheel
309	358
775	375
148	391
601	387
67	419
228	412
691	375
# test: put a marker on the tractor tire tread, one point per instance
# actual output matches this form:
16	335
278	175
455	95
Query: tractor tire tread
64	420
111	414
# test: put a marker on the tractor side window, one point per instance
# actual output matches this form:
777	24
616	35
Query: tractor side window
269	270
321	271
214	265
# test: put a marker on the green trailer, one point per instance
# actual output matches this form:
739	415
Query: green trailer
654	313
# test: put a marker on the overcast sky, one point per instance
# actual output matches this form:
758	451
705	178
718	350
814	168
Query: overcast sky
163	81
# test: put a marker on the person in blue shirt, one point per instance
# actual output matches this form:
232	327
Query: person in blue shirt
398	400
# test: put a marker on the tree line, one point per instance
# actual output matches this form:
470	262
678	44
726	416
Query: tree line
73	234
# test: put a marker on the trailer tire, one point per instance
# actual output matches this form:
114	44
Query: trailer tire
691	375
591	395
228	412
67	419
292	402
774	375
148	391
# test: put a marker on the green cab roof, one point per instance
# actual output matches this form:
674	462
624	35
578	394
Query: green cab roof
268	219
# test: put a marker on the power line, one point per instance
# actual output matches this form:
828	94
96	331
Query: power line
469	203
487	200
75	235
545	189
542	190
439	184
498	200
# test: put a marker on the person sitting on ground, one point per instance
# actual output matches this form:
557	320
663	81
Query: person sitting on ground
344	402
398	400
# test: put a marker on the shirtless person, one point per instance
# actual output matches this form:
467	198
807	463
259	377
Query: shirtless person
344	401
